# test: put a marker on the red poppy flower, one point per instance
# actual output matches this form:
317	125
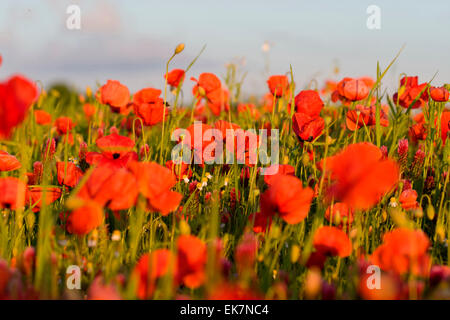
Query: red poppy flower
340	214
42	117
403	251
439	94
278	85
349	89
409	91
89	110
307	128
16	96
8	162
86	218
191	261
206	83
287	197
115	188
283	169
149	106
362	115
68	173
331	241
260	222
12	193
64	125
309	103
116	95
360	175
35	196
116	152
175	77
154	182
151	267
445	125
408	199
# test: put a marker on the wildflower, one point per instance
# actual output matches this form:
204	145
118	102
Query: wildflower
411	91
408	199
85	218
68	173
287	197
36	194
278	85
12	193
16	96
8	162
150	268
154	182
331	241
149	106
402	151
175	77
349	89
439	94
417	163
340	214
209	87
260	222
306	127
366	116
403	251
116	95
308	102
445	125
116	152
191	261
360	176
115	188
42	117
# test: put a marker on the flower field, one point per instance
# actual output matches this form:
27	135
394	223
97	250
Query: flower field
354	203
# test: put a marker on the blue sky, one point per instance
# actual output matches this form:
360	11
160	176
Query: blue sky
131	40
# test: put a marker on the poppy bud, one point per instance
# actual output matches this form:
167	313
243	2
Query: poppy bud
313	283
440	233
295	253
179	48
430	212
184	227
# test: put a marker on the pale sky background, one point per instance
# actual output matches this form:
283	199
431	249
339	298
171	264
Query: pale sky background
131	40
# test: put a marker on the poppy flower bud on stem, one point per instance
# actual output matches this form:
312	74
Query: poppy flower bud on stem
179	48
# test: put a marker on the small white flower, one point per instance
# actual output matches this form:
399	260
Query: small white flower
186	179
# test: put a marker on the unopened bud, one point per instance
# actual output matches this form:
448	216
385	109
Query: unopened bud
179	48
